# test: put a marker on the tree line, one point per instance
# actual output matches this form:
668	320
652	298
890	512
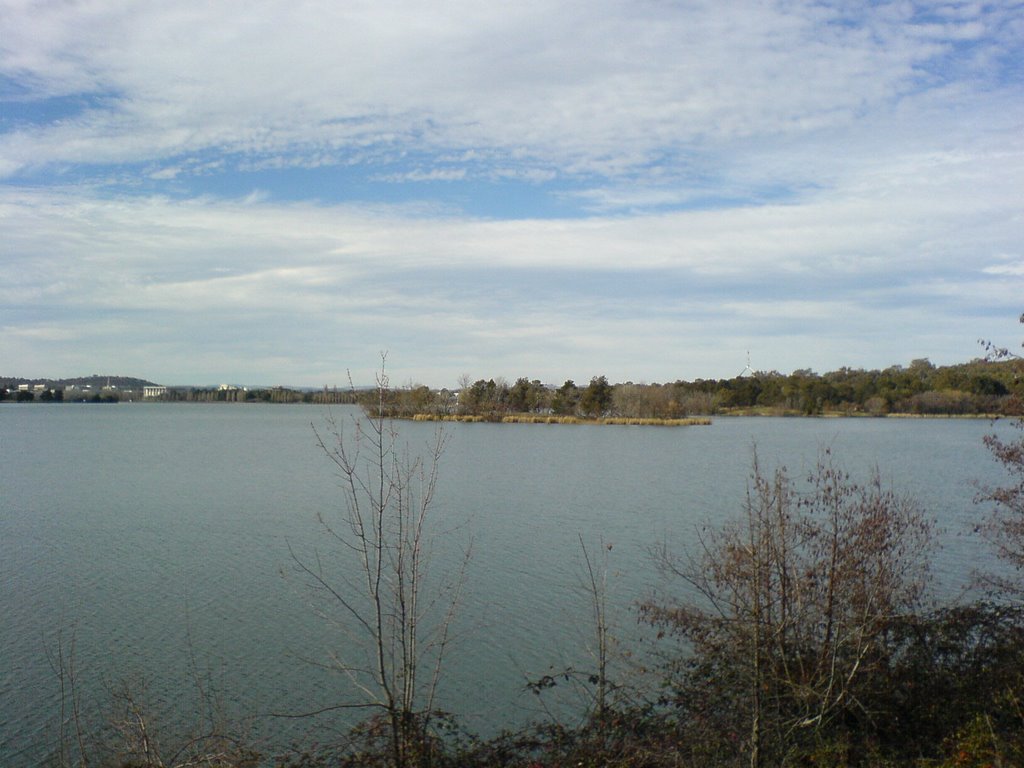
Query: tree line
57	394
978	387
325	396
920	388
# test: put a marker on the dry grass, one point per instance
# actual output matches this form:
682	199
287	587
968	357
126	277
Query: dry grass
447	417
688	422
533	418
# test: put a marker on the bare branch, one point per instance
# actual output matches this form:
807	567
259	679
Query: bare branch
386	524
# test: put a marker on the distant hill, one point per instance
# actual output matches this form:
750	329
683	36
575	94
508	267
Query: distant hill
95	381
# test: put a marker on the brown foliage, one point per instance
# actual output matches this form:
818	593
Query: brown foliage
789	604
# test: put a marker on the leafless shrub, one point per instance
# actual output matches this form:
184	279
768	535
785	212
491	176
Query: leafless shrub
395	620
789	604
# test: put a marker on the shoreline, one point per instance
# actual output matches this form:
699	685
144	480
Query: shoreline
533	418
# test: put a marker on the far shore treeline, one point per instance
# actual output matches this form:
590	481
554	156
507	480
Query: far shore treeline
980	387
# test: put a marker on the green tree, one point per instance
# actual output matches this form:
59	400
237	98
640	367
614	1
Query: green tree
565	399
740	392
527	396
484	398
596	398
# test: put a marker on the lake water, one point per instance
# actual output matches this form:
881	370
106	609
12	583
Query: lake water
156	536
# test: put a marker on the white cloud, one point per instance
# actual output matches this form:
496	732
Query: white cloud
603	87
1014	269
808	282
169	172
803	176
43	332
419	175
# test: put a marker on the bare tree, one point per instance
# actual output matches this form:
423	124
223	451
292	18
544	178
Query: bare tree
1004	529
789	604
72	750
593	683
210	743
125	732
597	589
397	616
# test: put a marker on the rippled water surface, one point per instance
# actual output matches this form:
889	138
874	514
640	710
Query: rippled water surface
156	535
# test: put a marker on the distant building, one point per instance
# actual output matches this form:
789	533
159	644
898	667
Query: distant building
150	392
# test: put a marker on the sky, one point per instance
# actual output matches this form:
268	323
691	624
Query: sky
276	193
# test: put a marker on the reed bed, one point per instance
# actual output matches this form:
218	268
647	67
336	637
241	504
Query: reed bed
687	422
447	417
534	418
